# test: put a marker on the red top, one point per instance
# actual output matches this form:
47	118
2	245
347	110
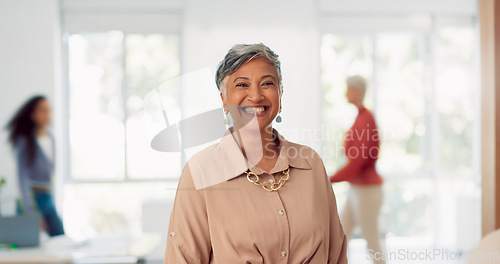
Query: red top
361	148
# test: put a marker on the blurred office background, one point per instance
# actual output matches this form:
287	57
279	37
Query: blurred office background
97	60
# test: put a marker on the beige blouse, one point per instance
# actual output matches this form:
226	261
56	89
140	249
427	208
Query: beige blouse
236	221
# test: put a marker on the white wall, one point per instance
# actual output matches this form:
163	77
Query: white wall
29	52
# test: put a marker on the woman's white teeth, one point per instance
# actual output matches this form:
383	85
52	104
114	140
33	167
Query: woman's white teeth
254	110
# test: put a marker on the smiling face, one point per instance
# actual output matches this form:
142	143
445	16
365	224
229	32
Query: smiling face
253	91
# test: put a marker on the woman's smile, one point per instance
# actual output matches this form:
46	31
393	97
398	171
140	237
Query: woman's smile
254	110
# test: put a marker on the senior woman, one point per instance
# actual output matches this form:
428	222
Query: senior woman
254	197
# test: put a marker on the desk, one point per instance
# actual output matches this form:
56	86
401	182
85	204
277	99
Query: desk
102	249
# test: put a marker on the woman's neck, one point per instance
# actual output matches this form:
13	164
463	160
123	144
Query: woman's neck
40	131
259	148
359	105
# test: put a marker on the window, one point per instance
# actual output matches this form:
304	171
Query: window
111	161
110	73
422	88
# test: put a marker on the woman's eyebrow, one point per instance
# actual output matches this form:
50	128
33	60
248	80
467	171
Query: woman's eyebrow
269	75
245	78
263	77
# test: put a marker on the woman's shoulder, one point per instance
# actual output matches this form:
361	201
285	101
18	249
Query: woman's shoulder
294	149
20	141
367	115
307	160
205	168
207	155
300	151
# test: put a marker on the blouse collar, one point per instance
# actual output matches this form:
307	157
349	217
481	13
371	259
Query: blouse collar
234	162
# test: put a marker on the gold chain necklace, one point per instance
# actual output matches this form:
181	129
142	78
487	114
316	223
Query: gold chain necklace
268	186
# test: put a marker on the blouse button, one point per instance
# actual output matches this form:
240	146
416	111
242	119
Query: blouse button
283	253
281	212
172	234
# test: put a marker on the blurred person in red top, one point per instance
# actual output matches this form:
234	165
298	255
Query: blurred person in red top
361	149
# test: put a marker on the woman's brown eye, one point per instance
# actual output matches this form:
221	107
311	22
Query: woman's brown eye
241	85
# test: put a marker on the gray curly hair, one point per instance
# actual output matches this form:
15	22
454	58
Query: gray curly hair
240	54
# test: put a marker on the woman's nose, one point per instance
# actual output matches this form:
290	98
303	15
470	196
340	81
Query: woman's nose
254	93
